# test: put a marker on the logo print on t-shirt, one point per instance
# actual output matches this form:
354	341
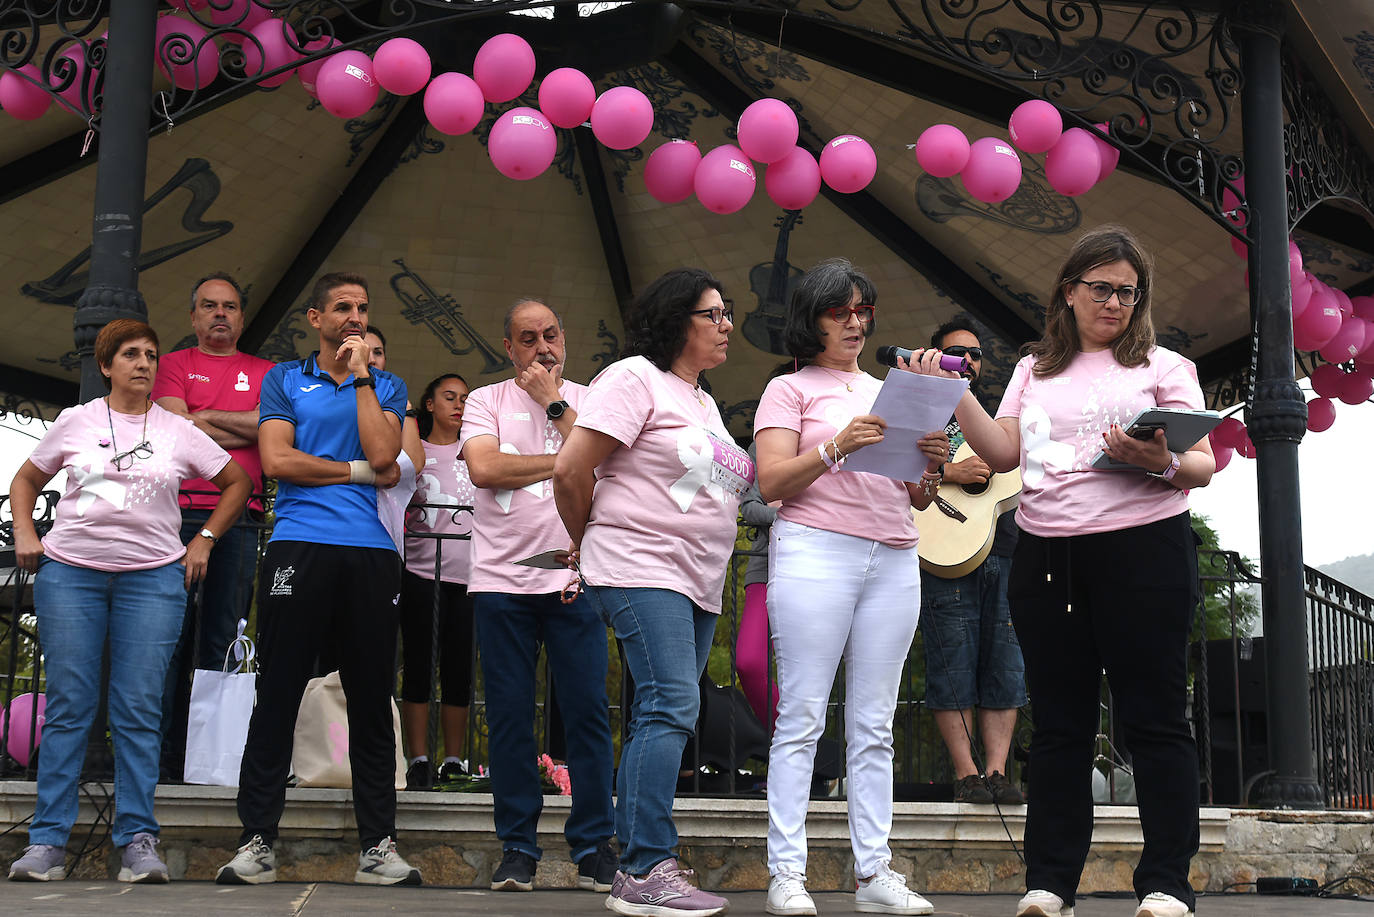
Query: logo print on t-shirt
281	580
503	497
310	388
242	384
695	452
88	471
1041	450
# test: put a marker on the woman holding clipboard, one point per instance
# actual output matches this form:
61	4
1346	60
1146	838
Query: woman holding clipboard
1105	573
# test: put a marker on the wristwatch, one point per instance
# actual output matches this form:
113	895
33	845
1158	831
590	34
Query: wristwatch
206	533
364	382
1168	473
556	410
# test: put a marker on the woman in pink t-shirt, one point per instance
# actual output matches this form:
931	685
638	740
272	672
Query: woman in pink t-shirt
438	524
113	566
1105	574
648	486
844	582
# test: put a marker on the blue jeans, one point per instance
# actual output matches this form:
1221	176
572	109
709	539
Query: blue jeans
140	611
510	629
226	597
972	656
666	641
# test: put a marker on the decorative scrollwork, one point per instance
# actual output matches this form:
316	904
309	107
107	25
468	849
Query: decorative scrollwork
1324	162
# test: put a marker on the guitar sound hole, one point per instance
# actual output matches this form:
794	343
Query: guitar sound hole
975	489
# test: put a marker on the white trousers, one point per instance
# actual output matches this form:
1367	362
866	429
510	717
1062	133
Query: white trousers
833	596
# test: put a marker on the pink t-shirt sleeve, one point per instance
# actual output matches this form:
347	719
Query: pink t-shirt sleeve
1178	385
203	455
479	417
171	379
780	406
618	404
1011	398
50	454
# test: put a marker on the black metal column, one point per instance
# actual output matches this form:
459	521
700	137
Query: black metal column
1278	416
123	159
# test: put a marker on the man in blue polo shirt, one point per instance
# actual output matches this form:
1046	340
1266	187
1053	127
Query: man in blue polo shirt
329	432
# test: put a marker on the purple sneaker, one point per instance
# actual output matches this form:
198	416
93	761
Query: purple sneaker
664	892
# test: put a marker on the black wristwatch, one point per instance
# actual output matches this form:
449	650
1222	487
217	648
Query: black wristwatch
364	382
556	410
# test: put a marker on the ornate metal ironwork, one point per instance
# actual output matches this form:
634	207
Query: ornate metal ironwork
1324	162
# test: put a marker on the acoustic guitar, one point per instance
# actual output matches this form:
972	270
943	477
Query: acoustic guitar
958	527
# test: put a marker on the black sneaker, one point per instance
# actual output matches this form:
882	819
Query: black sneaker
596	871
420	776
1004	792
453	772
974	789
515	874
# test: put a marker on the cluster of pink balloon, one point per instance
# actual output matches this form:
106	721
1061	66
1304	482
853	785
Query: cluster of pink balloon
1075	159
724	179
23	725
21	91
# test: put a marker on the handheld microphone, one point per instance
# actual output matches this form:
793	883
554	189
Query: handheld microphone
888	354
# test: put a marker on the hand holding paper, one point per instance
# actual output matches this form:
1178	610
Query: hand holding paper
912	406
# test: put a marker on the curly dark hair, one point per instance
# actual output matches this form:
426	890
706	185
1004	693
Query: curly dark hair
656	327
958	323
826	286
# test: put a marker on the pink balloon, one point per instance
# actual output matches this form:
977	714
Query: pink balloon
793	181
724	181
1367	351
622	118
1228	433
1365	367
768	130
401	66
669	171
1363	306
1246	447
22	725
179	39
1321	414
1319	322
566	97
1109	154
241	14
848	163
1343	302
346	86
1357	389
1294	260
1035	126
21	98
504	67
189	5
1223	455
276	52
1326	380
993	172
1347	342
453	103
309	72
1073	164
75	58
1241	249
1301	294
942	150
522	144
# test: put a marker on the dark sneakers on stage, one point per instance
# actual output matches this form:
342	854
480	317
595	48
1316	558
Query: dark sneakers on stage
515	874
1003	791
596	871
420	776
974	789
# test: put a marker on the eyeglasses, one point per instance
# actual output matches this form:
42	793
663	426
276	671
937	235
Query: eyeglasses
718	314
143	450
959	350
841	313
1101	291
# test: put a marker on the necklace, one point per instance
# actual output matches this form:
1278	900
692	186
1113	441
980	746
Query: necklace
848	386
143	439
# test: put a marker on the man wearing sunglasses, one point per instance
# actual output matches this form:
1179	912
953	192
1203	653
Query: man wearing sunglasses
972	657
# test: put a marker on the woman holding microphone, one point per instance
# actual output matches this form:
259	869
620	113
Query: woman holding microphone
1105	574
844	583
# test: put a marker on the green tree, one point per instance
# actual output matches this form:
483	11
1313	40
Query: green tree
1228	587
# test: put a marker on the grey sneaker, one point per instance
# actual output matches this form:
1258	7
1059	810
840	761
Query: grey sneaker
664	892
382	865
40	863
254	864
141	862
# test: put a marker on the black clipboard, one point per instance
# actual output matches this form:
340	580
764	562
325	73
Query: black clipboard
1183	428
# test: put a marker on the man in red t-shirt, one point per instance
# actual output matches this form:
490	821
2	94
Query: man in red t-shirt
215	387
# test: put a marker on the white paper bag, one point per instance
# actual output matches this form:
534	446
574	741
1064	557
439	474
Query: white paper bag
319	751
217	723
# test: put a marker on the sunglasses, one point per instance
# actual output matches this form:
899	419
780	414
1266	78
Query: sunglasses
959	350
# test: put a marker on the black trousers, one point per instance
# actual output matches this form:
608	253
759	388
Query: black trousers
307	593
1120	602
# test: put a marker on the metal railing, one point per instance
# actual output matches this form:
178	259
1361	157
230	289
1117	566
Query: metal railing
728	756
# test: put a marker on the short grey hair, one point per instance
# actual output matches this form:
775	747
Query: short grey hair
521	303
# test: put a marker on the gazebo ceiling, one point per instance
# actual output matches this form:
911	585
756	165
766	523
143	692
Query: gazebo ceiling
270	187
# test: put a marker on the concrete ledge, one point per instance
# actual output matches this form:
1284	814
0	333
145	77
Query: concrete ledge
944	846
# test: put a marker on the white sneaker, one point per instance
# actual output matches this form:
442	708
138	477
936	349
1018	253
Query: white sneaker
253	864
1040	903
1158	904
886	893
787	895
382	865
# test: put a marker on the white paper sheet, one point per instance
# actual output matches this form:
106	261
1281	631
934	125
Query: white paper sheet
913	405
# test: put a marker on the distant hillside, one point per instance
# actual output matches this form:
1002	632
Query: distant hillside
1357	572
